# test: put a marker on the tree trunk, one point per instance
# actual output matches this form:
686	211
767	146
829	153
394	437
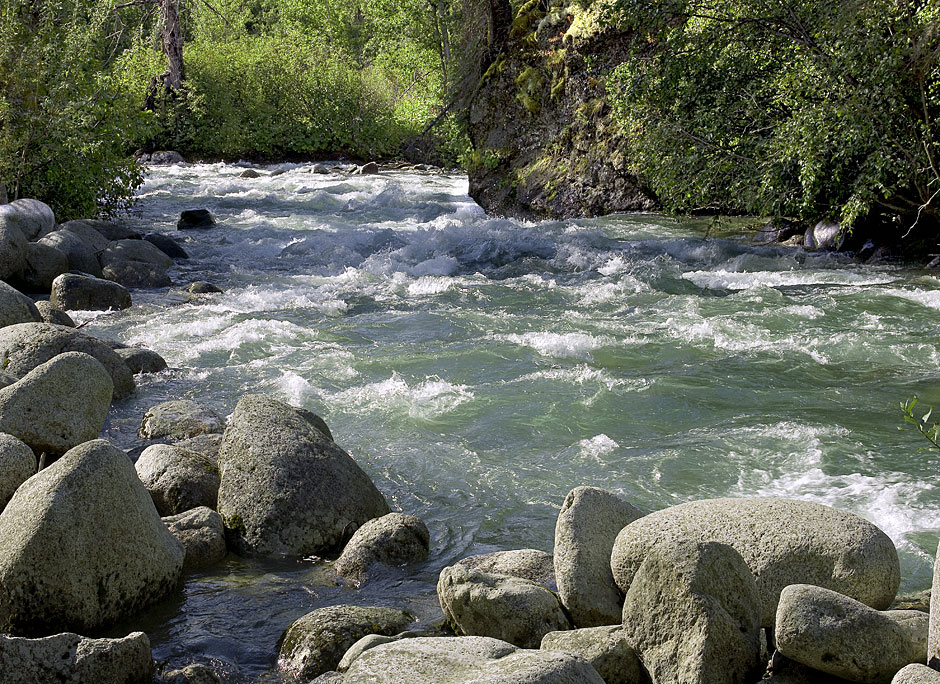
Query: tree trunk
171	38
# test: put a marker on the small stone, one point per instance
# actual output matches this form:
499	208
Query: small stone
316	642
368	168
202	287
606	648
249	173
74	292
843	637
393	540
195	218
72	659
202	535
177	479
53	314
17	464
140	360
179	419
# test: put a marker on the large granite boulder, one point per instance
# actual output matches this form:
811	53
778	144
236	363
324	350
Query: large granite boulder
72	659
466	660
202	535
15	307
31	217
167	245
916	674
693	614
139	251
12	242
17	464
57	405
512	609
840	636
81	256
82	546
112	231
530	564
53	314
42	265
606	648
393	540
137	274
589	522
783	542
286	488
26	345
178	479
74	292
315	643
88	231
179	419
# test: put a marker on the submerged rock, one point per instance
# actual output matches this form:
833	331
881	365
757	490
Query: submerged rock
179	419
178	479
59	404
395	539
509	608
82	546
195	218
315	643
26	345
74	292
466	660
72	659
783	542
588	523
837	635
15	307
286	488
202	535
606	648
17	464
693	614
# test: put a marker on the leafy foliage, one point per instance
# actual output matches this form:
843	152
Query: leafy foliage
929	431
803	108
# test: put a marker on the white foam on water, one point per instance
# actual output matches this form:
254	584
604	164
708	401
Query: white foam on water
427	399
583	374
806	311
598	446
295	388
601	292
560	345
430	285
733	280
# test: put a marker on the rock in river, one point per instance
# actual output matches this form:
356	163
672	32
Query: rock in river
395	539
72	659
178	479
202	535
179	419
74	292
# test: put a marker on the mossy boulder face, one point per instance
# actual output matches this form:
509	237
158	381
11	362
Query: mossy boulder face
544	141
316	642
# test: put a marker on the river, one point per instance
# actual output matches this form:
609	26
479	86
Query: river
479	368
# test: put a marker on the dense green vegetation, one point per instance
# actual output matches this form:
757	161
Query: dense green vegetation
800	108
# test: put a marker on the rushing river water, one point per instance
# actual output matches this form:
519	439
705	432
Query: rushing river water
479	368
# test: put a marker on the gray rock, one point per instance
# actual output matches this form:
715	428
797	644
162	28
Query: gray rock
6	379
59	404
137	274
141	360
167	245
207	445
373	640
197	673
26	345
17	464
824	235
466	660
395	539
782	670
249	173
316	642
693	614
53	314
513	609
286	488
72	659
41	266
35	217
89	233
165	158
783	542
82	546
179	419
588	523
916	674
319	169
12	243
202	535
606	648
368	168
15	307
112	231
81	256
137	251
202	287
933	643
74	292
195	218
177	479
531	564
840	636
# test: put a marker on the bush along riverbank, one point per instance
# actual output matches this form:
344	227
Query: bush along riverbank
722	590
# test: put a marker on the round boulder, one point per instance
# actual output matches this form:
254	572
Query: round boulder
589	522
139	251
74	292
15	307
202	535
42	265
167	245
179	419
286	488
82	546
59	404
916	674
513	609
141	360
81	257
395	539
531	564
783	542
53	314
72	659
17	464
87	230
195	218
26	345
12	242
178	479
315	643
32	217
838	635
